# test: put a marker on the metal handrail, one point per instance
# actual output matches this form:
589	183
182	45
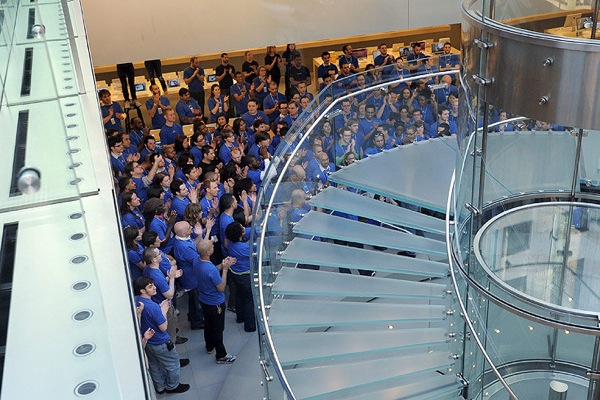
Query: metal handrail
464	311
267	211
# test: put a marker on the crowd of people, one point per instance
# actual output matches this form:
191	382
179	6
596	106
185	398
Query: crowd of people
187	202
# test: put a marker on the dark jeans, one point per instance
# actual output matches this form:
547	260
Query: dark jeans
244	303
214	324
195	315
154	69
126	74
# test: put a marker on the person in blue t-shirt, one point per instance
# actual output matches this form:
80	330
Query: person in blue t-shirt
240	250
241	93
187	108
112	112
193	76
449	61
170	129
272	101
212	280
253	113
156	106
261	86
349	58
217	103
415	57
163	359
384	59
327	68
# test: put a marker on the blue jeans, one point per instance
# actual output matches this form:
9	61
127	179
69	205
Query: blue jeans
164	366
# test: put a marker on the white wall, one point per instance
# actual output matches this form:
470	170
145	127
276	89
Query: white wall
133	30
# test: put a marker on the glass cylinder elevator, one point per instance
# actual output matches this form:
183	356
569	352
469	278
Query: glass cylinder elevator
524	235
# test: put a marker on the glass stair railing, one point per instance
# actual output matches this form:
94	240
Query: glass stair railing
339	228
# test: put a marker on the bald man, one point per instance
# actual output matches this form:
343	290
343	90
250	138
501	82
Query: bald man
184	251
212	280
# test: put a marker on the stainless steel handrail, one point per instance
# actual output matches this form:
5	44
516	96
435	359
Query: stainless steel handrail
267	211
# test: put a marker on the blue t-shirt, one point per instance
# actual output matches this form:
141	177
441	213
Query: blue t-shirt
260	95
134	257
249	119
169	133
211	104
208	277
224	221
158	120
114	122
178	205
184	109
184	251
159	225
240	106
152	317
133	218
160	281
241	252
270	101
196	84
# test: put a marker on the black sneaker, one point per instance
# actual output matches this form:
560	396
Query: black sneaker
228	359
181	388
183	362
180	340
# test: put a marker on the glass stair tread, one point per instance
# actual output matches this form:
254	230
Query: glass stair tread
333	227
303	282
426	186
313	252
287	313
437	387
294	348
352	203
316	382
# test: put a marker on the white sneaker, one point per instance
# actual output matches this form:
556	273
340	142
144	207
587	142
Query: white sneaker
127	104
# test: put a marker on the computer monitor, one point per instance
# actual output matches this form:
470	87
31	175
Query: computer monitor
422	43
173	82
361	54
140	87
571	20
404	51
376	53
211	78
437	48
584	23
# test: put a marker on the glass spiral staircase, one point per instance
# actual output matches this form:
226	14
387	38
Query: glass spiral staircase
499	300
